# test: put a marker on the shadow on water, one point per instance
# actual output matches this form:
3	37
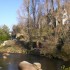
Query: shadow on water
11	63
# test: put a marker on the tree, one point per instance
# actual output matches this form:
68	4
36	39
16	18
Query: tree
4	33
40	23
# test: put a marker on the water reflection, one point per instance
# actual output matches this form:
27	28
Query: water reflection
11	63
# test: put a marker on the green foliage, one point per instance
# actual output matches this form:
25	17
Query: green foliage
4	33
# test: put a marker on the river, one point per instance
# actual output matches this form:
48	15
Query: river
12	61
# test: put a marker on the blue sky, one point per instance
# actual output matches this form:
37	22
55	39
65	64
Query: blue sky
8	12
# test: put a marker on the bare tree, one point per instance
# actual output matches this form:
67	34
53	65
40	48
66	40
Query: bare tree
52	5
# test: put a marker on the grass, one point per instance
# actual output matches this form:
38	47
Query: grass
65	68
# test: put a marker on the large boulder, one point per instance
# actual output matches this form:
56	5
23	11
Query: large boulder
22	37
24	65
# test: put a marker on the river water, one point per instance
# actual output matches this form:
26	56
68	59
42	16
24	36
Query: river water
12	61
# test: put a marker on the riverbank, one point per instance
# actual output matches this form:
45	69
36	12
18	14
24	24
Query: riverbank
12	49
14	46
11	46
